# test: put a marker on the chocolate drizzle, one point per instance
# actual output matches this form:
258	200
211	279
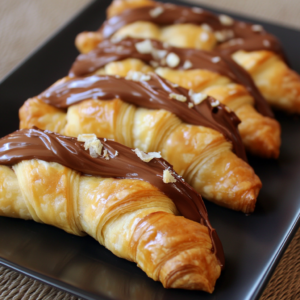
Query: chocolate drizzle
153	94
108	51
244	37
27	144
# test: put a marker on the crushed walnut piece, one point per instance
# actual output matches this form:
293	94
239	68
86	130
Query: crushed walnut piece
177	97
172	60
159	54
190	105
168	177
187	65
155	12
216	59
257	28
206	27
137	76
105	154
92	143
226	20
197	10
144	47
215	103
197	97
146	157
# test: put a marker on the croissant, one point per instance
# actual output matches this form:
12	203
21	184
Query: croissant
249	45
194	70
90	188
152	115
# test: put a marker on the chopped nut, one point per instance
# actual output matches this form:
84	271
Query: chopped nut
178	97
168	177
154	64
257	28
197	10
215	103
220	36
190	105
146	157
92	143
204	36
104	139
198	97
155	12
216	59
172	60
116	153
105	154
116	39
226	20
206	27
137	76
266	43
86	137
144	47
187	65
159	54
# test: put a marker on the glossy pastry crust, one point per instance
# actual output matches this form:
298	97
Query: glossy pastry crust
260	134
200	154
132	218
277	82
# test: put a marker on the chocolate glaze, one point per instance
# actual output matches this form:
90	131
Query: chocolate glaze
175	14
152	94
108	51
27	144
243	37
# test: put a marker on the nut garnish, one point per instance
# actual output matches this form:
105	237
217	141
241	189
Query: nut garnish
116	153
257	28
105	154
168	177
144	47
190	105
215	103
155	12
137	76
159	54
146	157
92	143
154	64
197	10
226	20
197	97
216	59
266	43
178	97
204	36
187	65
206	27
172	60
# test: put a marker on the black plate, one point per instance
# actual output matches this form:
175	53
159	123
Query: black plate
253	244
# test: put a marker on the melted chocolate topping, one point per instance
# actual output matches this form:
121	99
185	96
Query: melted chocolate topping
33	143
108	51
242	36
245	36
153	94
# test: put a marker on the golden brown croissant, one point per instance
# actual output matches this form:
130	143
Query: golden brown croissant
42	178
195	70
152	117
257	51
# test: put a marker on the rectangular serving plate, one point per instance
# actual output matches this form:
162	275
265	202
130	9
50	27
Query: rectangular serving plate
253	244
